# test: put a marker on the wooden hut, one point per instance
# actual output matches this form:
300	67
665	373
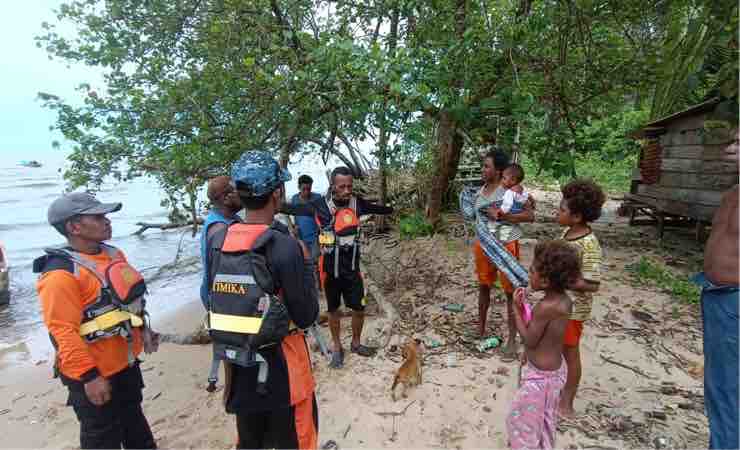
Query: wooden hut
685	165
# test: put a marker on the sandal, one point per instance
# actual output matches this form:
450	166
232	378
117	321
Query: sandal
337	360
330	445
363	351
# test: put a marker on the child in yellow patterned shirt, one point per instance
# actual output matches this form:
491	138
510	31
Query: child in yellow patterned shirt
581	205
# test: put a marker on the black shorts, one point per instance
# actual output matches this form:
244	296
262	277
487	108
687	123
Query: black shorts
349	287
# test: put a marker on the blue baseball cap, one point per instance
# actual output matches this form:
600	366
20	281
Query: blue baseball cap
256	174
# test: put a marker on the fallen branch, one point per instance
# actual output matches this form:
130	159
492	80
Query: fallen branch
395	414
164	226
625	366
387	308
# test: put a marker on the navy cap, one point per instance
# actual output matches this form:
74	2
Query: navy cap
256	174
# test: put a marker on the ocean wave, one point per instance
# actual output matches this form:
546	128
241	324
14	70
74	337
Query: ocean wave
5	345
15	226
9	201
30	185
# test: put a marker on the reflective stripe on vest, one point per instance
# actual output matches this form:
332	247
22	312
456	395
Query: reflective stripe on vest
234	324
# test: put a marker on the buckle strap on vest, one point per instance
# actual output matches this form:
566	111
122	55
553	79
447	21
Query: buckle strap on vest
333	209
109	320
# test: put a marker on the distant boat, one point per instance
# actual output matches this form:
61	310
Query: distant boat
32	163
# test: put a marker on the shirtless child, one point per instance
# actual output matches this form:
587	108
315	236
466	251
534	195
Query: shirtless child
532	420
719	306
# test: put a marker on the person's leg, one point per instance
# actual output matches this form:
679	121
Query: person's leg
294	427
99	426
213	374
252	430
720	318
333	292
525	422
572	355
553	389
136	431
353	292
484	302
510	349
486	274
358	321
315	254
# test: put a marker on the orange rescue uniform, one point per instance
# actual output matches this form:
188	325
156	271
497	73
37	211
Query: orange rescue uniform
63	297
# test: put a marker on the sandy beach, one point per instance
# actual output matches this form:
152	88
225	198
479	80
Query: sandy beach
642	385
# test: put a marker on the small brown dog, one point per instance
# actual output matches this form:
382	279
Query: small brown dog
409	374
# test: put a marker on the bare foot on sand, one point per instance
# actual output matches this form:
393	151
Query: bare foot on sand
565	407
566	413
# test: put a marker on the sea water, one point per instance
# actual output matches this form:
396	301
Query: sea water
25	195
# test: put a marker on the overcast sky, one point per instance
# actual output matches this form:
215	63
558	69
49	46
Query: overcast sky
26	70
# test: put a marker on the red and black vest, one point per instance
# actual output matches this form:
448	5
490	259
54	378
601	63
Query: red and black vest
343	233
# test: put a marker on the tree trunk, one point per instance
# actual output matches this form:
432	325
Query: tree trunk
384	133
285	156
449	141
449	145
193	197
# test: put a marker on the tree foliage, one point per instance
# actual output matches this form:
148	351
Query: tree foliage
190	84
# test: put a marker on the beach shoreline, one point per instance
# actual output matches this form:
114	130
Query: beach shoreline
635	372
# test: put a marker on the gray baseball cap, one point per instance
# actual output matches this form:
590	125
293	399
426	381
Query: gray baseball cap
70	205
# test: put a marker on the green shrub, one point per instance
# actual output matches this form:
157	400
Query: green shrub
414	225
651	272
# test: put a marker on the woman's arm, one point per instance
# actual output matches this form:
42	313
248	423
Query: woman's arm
525	216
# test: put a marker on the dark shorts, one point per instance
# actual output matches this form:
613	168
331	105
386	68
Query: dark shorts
295	427
719	307
349	287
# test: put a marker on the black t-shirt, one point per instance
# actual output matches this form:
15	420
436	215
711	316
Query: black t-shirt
320	209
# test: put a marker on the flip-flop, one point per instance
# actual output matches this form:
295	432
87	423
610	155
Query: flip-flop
330	445
337	360
363	351
509	357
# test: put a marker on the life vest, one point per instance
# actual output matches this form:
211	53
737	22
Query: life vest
343	233
245	310
120	304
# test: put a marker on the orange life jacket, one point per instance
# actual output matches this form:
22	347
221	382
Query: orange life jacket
343	232
119	305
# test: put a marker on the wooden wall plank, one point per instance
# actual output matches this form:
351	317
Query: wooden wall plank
698	196
712	182
683	137
704	152
701	212
699	166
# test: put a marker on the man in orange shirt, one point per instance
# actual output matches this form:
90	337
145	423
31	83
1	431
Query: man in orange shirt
97	328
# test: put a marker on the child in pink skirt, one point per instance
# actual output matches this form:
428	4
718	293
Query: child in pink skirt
532	421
